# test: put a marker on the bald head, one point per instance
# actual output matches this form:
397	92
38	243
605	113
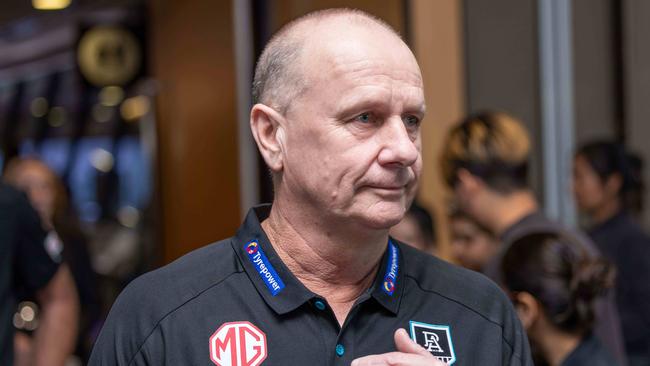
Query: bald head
280	75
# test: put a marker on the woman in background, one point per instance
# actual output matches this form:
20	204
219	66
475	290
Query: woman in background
48	196
604	182
553	283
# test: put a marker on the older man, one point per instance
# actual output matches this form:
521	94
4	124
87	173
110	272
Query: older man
315	279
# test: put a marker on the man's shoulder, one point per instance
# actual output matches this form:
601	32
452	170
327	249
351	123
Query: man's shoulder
469	289
185	278
148	299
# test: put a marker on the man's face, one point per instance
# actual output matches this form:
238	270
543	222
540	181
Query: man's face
352	139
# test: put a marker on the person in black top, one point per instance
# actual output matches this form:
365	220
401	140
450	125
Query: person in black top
47	195
25	267
553	282
602	179
315	279
485	163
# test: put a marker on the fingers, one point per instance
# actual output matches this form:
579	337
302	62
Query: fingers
408	353
393	359
406	345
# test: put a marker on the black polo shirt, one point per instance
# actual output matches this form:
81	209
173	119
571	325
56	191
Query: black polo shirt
235	303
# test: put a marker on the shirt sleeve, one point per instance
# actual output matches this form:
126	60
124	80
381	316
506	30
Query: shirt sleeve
130	331
33	265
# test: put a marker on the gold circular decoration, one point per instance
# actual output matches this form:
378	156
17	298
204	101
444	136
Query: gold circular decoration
109	55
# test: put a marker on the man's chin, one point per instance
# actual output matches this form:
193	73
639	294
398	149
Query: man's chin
384	218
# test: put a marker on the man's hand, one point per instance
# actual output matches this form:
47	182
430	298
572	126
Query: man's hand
408	353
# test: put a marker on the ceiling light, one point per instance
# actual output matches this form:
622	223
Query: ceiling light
50	4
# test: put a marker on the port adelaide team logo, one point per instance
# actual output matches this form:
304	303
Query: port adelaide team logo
435	339
238	344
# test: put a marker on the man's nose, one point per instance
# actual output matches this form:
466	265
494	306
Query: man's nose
399	146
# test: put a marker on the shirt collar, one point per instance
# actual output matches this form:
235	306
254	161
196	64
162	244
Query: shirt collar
292	293
388	287
282	291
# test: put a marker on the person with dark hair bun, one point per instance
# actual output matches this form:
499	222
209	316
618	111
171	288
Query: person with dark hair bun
553	282
603	181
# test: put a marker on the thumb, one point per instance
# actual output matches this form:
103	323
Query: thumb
406	345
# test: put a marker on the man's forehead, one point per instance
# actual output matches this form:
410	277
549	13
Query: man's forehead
376	68
358	50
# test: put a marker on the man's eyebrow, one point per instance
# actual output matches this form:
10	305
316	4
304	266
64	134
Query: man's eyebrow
374	100
419	108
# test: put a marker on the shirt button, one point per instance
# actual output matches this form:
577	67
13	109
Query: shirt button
319	305
340	350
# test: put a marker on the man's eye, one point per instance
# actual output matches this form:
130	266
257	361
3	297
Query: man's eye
364	117
412	121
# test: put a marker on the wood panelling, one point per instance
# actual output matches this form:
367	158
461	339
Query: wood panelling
437	41
193	61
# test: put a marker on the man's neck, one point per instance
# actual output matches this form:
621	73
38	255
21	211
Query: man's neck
335	264
507	210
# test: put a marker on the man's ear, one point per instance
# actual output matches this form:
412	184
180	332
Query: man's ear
268	132
528	309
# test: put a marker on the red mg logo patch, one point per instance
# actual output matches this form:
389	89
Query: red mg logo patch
238	344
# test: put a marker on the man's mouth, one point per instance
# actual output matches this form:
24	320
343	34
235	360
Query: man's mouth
389	190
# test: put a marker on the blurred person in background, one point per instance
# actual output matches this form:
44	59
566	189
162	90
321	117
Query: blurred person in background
473	246
553	282
485	164
47	195
603	178
416	229
26	269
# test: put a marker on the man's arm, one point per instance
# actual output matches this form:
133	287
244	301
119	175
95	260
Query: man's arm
55	337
